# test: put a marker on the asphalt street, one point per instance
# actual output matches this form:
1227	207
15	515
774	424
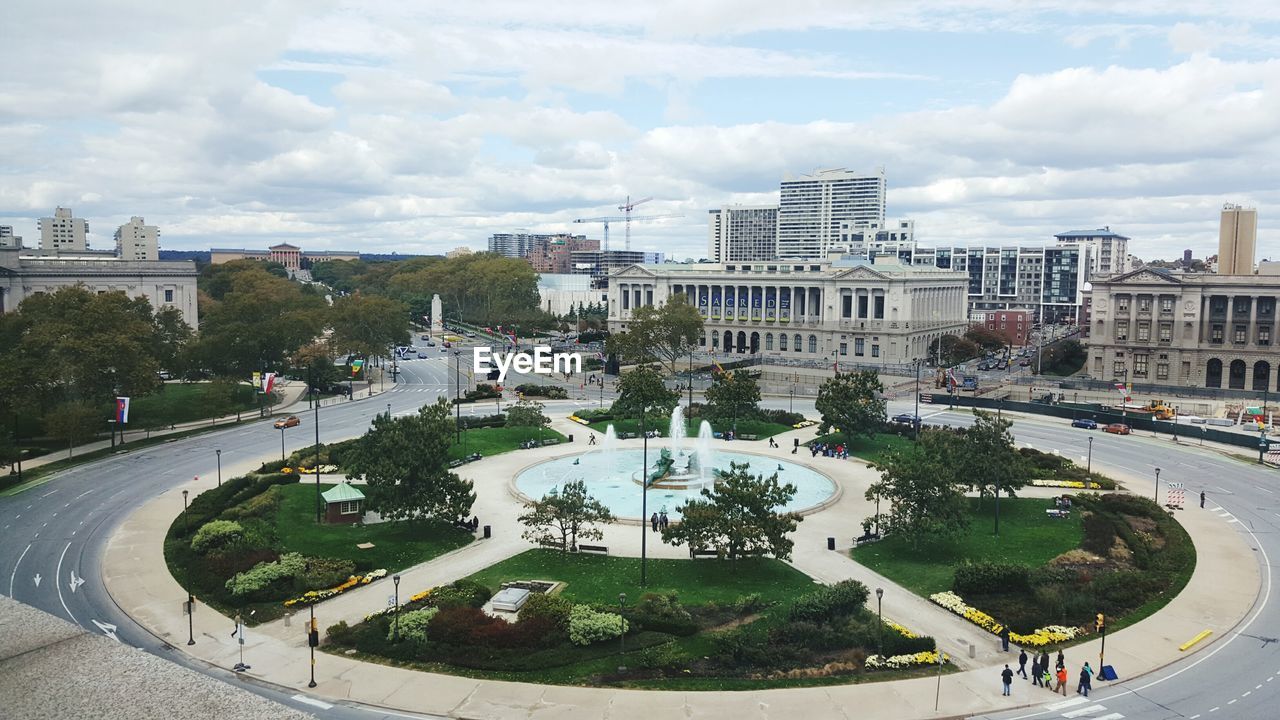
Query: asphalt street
54	536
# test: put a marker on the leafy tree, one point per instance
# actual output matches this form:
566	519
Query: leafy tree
951	350
221	398
405	462
986	338
1062	358
664	333
527	413
920	485
739	516
986	459
852	403
565	516
74	422
732	395
314	362
642	391
368	325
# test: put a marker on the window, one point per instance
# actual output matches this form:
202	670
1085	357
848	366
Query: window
1241	335
349	507
782	342
846	306
1144	303
859	345
768	341
1215	334
879	307
626	299
1140	365
1122	330
1166	304
875	351
1122	304
1117	368
844	348
1166	332
1162	371
1264	336
648	297
798	342
813	343
168	296
1144	331
862	306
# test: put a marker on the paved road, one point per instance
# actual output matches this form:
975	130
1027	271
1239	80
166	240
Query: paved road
57	533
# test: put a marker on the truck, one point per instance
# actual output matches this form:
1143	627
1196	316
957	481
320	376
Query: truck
1155	408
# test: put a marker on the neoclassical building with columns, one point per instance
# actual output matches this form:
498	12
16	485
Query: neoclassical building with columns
844	311
1197	330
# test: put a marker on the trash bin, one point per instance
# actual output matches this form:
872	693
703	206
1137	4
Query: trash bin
570	437
487	532
831	543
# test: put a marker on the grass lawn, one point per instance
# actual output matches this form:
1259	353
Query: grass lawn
1027	537
872	449
495	440
599	579
397	545
180	403
759	428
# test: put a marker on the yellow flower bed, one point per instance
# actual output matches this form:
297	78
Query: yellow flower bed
900	629
315	596
1048	635
897	662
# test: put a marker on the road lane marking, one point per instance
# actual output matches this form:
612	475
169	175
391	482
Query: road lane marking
312	702
59	574
1110	716
15	569
1084	711
1064	704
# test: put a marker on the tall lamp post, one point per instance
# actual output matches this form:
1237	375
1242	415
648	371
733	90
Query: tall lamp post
186	527
880	628
1088	470
218	452
915	418
622	623
644	499
316	422
1157	492
396	579
282	429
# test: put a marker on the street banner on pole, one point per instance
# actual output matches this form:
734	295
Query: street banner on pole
268	381
122	409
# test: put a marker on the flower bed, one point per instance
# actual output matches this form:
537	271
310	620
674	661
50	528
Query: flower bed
900	629
579	420
898	662
1048	635
1071	484
315	596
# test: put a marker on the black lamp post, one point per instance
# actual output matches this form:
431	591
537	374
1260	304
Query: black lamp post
396	579
316	422
388	411
915	418
186	527
191	611
1088	470
622	623
313	639
1157	493
644	499
880	613
218	452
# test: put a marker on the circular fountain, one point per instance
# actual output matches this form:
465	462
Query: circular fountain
677	471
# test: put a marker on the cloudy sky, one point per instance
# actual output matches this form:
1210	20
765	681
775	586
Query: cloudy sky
420	126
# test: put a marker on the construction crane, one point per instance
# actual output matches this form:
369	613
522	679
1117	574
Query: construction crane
622	218
626	209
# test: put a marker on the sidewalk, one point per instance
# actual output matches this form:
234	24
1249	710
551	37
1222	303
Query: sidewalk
1220	594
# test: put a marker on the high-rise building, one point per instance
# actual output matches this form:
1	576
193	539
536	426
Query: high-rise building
136	240
63	232
742	232
812	208
1109	251
8	239
1237	238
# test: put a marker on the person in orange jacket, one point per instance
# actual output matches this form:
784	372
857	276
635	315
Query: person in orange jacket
1062	681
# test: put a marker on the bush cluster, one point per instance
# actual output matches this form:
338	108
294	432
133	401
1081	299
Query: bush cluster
413	624
552	392
217	536
553	608
268	580
588	626
664	613
831	602
983	578
460	593
781	417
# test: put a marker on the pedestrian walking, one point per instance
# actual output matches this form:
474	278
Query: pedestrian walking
1036	670
1062	660
1004	639
591	439
1006	675
653	520
1202	499
1044	661
772	443
795	445
1062	682
1046	678
663	521
1086	681
1022	663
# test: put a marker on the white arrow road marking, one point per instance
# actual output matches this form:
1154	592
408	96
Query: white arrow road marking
107	628
57	575
36	579
14	574
75	581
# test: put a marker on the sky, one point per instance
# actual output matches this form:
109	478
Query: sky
416	126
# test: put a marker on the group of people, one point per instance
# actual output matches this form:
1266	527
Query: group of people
658	521
828	450
1042	676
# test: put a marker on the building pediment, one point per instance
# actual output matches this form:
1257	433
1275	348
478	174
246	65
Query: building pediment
634	271
861	272
1144	276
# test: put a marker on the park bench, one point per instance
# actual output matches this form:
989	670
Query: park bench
1056	513
695	554
456	463
551	441
747	437
601	549
555	544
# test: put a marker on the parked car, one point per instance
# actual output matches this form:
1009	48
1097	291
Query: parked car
1002	365
1024	362
431	343
906	419
1117	428
426	336
291	421
421	355
984	366
469	334
1085	423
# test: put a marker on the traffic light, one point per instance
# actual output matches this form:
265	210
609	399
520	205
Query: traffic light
1101	622
313	635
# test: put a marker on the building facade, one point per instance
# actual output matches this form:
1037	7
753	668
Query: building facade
559	294
138	241
600	263
1237	238
64	232
1015	324
291	256
812	208
1108	251
738	233
164	284
1199	330
8	239
816	310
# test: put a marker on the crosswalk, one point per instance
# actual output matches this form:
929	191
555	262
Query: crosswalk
1225	515
1082	707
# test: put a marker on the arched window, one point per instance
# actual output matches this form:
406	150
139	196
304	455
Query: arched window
1236	379
799	347
1213	374
1261	375
742	341
755	342
782	341
768	341
813	343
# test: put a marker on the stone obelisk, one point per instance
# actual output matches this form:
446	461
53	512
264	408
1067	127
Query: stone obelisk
437	316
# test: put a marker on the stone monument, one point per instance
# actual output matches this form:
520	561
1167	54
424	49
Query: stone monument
437	316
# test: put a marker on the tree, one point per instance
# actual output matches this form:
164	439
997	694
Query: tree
732	395
221	398
986	459
565	516
527	413
641	391
368	325
952	350
986	338
852	403
405	462
739	516
74	422
1062	358
920	485
664	333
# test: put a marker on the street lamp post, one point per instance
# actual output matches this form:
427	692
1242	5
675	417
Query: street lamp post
877	514
457	396
191	610
388	411
880	613
313	639
1088	470
1157	492
396	579
915	419
316	422
282	429
644	499
622	623
186	527
218	452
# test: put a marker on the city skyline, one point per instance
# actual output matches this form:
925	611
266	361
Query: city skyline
417	129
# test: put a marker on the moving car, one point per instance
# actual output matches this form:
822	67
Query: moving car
1085	423
469	334
1024	362
421	355
291	421
431	343
906	419
1002	365
1117	428
426	336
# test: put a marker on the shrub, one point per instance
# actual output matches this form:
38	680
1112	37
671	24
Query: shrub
272	466
808	635
340	633
321	573
257	506
460	593
748	604
781	417
664	613
217	535
266	580
1099	533
991	578
553	392
587	626
659	657
413	624
844	598
554	608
